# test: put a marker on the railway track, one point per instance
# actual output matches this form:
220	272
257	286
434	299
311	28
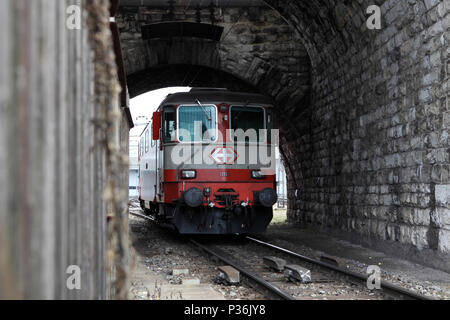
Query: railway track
388	288
244	270
274	287
249	261
143	216
252	277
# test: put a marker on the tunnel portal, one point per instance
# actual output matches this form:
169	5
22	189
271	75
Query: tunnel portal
363	114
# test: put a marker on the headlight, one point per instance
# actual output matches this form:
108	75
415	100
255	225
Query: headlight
188	174
257	174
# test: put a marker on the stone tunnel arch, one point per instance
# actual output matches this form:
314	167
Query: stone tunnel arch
261	61
185	76
365	112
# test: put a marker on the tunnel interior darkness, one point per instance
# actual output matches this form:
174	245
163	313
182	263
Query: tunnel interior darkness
360	111
184	76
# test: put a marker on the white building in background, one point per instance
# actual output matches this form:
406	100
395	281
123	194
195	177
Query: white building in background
134	169
140	124
281	181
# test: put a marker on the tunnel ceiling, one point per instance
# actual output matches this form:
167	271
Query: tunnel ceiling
186	76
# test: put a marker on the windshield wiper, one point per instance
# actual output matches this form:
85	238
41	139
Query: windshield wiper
208	116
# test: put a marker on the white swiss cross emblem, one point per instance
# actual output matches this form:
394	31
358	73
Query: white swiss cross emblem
224	155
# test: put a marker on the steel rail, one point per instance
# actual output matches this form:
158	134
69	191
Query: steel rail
361	277
384	285
274	289
140	215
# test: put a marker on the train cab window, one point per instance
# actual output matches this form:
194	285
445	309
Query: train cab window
246	118
169	124
197	123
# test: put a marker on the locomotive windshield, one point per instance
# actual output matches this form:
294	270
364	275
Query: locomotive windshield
246	118
204	117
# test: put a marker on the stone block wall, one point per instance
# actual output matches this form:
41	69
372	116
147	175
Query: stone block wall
363	114
374	161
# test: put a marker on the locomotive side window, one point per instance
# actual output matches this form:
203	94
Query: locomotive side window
147	140
169	124
246	118
153	142
204	117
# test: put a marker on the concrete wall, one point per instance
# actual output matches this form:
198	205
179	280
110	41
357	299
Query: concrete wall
53	166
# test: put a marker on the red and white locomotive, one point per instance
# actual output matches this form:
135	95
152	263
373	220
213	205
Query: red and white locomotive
195	175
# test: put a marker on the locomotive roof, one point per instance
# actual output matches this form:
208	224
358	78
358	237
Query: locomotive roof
217	96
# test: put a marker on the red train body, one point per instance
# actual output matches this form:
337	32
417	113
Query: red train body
196	175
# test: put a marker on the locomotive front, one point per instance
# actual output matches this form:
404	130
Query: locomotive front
214	163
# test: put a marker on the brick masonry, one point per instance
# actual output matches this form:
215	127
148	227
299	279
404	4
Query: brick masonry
364	113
